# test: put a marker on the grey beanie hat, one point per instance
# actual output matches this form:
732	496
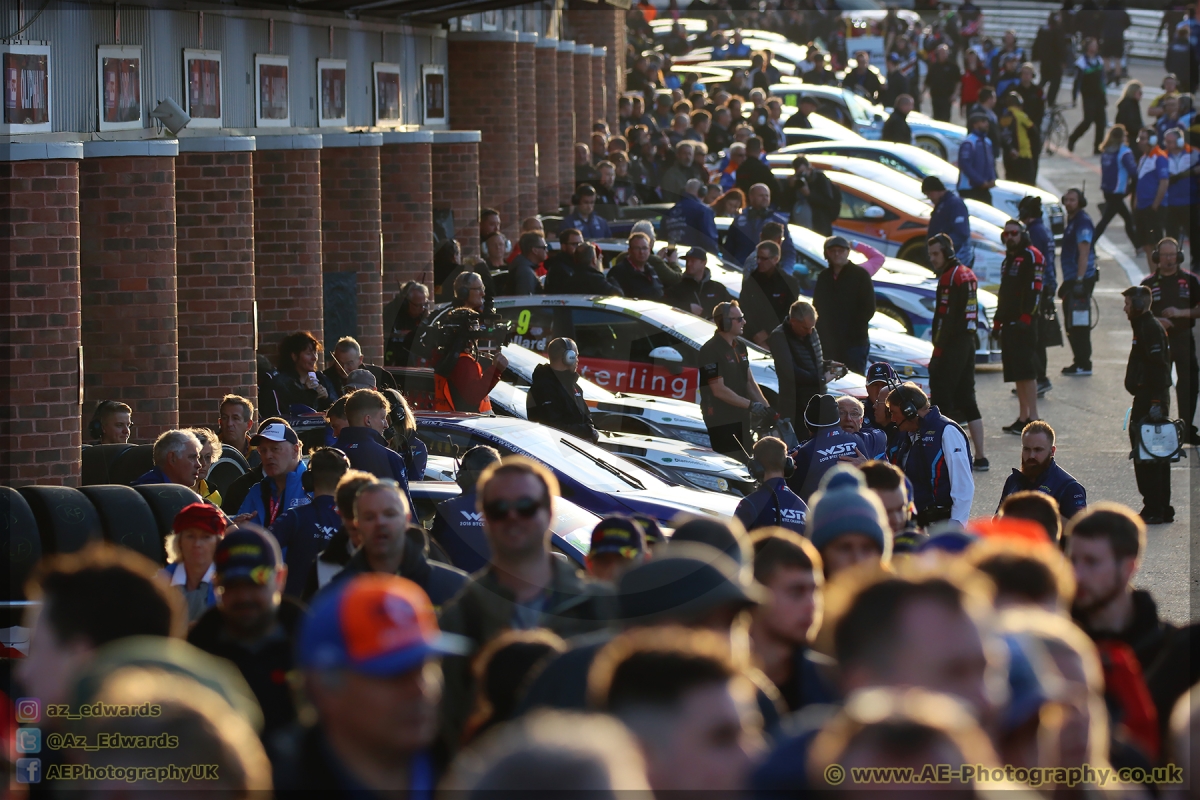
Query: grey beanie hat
844	505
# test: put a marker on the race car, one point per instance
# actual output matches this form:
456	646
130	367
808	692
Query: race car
940	139
916	163
588	476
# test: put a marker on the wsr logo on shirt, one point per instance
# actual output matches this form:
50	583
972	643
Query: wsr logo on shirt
473	518
844	449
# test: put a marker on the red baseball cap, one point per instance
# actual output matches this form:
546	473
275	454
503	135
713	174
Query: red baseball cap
204	516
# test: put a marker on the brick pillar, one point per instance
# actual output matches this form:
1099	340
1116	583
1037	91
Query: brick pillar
603	27
455	169
599	92
351	241
527	129
483	97
549	150
406	209
127	277
566	121
39	319
287	238
583	93
214	219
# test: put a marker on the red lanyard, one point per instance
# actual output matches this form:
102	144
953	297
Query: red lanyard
273	511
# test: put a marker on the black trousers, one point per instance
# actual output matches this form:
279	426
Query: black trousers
1187	375
1094	113
1181	221
952	381
1080	338
982	195
1115	204
1054	81
941	107
731	439
1153	477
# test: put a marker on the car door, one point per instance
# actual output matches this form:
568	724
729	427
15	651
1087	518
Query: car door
615	353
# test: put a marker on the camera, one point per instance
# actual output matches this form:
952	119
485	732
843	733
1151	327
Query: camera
463	328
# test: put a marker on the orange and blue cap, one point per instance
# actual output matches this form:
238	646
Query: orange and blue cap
374	624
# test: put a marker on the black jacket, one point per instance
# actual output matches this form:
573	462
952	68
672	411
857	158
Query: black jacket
800	366
289	391
1129	114
705	293
844	306
265	666
753	171
552	402
668	275
824	198
440	581
522	278
559	269
1148	373
383	378
765	300
896	129
642	284
589	281
232	498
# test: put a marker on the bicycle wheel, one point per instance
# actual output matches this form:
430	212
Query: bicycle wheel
1058	135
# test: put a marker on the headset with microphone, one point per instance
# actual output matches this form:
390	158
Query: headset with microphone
1154	257
324	459
904	398
96	426
757	471
1023	229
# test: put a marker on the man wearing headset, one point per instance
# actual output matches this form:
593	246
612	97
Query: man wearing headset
952	368
584	218
555	398
1079	277
934	454
829	445
1153	180
405	313
365	439
1049	334
1176	304
1019	294
110	424
458	524
729	395
774	503
1148	379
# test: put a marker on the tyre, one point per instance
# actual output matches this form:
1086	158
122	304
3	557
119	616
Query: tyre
20	545
127	519
98	463
66	520
891	312
223	474
133	463
931	145
916	251
165	500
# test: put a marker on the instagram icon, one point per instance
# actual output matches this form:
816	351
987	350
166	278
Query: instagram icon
29	709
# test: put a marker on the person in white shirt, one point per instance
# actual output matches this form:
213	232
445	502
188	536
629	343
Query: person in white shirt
934	454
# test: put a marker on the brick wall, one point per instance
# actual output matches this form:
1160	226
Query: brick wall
287	243
605	28
455	171
127	277
566	121
350	233
39	322
214	218
483	97
527	130
549	150
583	98
599	92
406	207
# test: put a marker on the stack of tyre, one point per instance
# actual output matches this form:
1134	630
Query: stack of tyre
36	521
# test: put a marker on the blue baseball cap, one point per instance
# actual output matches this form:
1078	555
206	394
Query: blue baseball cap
881	372
374	624
248	552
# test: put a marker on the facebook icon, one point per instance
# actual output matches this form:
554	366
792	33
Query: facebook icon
29	770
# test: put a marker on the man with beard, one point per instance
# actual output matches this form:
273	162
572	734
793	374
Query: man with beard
1105	544
1040	472
555	398
253	624
1020	292
1176	300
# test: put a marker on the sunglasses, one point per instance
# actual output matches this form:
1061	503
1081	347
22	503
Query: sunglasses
526	507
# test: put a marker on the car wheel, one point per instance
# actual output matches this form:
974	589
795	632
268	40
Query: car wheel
931	145
127	519
892	312
67	521
915	251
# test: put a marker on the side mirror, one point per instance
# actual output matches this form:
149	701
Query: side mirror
874	212
669	357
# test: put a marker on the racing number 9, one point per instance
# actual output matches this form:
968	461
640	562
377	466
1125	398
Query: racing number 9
523	322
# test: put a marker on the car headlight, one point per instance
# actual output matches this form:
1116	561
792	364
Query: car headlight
709	483
908	370
697	438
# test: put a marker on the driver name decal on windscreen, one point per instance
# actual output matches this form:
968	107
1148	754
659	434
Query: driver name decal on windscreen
627	376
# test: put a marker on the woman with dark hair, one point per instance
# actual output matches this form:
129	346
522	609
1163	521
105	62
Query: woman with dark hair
298	381
729	204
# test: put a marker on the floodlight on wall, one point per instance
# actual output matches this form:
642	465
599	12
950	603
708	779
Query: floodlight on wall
172	117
